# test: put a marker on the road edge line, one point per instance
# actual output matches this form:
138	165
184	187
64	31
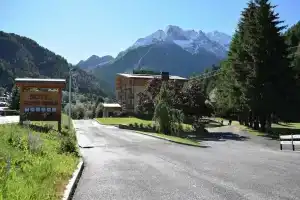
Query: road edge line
70	188
162	138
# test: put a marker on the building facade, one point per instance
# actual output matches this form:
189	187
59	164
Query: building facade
128	86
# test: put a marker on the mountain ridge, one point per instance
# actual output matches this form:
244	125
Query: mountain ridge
94	61
190	40
23	57
180	52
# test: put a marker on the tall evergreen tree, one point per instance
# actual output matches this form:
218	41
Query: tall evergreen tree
257	75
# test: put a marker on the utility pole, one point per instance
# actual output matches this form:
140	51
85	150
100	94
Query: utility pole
70	86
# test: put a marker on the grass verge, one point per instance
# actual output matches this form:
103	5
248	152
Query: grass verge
276	129
131	120
36	162
172	138
123	120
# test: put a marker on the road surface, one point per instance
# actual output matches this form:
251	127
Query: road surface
120	164
9	119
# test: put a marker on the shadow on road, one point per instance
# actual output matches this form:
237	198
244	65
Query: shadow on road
219	136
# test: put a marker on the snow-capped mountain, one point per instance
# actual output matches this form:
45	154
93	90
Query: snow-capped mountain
220	37
94	61
190	40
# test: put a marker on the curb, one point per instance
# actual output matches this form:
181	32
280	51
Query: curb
70	188
150	135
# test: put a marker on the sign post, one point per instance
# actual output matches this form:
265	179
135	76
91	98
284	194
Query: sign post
40	99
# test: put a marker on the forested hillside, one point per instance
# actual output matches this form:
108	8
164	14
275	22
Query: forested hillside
23	57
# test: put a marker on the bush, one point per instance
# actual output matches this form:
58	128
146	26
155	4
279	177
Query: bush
141	125
99	110
66	126
89	114
68	145
130	125
121	114
136	125
31	143
149	126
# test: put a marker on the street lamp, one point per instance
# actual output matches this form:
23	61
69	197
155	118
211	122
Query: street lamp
70	93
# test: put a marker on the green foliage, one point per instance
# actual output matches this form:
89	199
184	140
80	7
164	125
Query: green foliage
192	99
99	110
14	103
256	80
31	163
23	57
2	91
68	145
167	118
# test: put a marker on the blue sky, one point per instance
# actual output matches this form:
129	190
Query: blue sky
77	29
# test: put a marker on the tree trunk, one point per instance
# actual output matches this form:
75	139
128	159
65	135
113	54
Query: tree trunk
256	123
251	120
269	123
262	120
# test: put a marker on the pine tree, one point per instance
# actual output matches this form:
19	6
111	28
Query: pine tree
257	79
15	99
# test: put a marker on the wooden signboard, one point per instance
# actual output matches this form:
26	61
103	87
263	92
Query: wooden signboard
41	106
40	99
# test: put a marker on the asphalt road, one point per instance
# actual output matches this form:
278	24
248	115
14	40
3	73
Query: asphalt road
125	165
9	119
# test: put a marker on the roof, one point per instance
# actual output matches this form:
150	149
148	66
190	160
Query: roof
111	105
146	76
35	80
3	108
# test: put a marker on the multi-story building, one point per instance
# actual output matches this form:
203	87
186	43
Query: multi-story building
128	86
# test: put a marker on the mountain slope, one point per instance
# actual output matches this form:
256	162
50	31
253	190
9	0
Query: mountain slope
190	40
180	52
23	57
94	61
157	57
220	38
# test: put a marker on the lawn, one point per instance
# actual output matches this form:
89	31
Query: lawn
130	120
173	138
123	120
133	120
36	162
276	129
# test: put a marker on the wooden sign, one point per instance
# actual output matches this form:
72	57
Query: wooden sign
41	106
40	99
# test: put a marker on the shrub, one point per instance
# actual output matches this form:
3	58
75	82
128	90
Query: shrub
79	110
130	125
188	129
35	144
99	110
89	114
68	145
198	126
121	114
141	125
66	126
149	126
49	126
136	125
31	143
